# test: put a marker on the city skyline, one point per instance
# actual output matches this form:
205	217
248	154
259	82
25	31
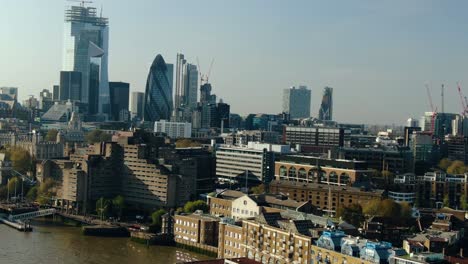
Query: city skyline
384	50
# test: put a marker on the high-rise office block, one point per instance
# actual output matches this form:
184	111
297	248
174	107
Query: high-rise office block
137	106
205	94
55	92
326	108
158	95
185	98
119	92
86	40
70	86
296	102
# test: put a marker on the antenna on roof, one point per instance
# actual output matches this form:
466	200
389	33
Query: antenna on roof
101	11
82	2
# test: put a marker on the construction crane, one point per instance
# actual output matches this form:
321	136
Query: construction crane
204	78
434	110
82	2
463	100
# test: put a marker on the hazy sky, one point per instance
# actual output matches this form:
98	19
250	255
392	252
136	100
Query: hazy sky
377	55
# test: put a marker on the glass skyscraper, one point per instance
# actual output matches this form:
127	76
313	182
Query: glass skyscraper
186	88
85	50
158	93
296	102
326	108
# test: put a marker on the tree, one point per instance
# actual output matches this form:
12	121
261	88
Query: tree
97	136
157	220
21	159
260	189
51	135
405	210
388	176
186	143
191	207
457	167
119	203
444	164
32	194
46	191
446	201
352	214
389	208
102	207
372	208
463	203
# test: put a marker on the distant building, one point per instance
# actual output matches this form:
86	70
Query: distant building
173	129
316	139
457	148
137	106
70	86
186	88
56	92
326	107
12	92
296	102
119	93
158	95
45	100
86	42
411	122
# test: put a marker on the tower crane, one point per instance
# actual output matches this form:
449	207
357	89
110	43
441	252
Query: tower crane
204	78
463	100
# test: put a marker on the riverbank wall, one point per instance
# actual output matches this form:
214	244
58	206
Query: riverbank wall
105	231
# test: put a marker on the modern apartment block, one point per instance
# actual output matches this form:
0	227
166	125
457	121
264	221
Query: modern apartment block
173	129
316	139
254	162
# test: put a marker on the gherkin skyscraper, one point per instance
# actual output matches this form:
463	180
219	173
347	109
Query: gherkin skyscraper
158	95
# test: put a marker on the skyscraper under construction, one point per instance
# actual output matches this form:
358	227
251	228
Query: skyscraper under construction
326	108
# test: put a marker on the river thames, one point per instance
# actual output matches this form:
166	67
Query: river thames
52	243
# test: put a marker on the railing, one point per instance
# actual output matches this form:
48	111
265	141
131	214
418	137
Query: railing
30	215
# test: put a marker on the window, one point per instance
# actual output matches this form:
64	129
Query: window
292	172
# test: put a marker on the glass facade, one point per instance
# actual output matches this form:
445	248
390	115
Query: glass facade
296	102
85	41
326	108
158	94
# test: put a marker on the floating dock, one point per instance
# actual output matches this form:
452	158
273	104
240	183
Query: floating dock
20	226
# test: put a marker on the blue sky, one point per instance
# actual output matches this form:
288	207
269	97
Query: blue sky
377	55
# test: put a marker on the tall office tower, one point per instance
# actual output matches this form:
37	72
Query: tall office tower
70	86
296	102
158	93
119	93
179	84
185	98
205	94
10	91
136	110
326	108
55	92
85	50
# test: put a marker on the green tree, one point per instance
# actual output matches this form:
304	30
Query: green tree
102	207
444	164
186	143
191	207
157	220
119	204
352	214
405	210
32	194
372	208
389	208
457	167
51	135
46	191
21	159
97	136
446	201
388	177
463	203
260	189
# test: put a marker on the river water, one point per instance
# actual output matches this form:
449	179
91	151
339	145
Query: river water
52	243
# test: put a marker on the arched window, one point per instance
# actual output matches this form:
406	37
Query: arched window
344	178
312	175
323	176
292	172
333	177
283	171
302	174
